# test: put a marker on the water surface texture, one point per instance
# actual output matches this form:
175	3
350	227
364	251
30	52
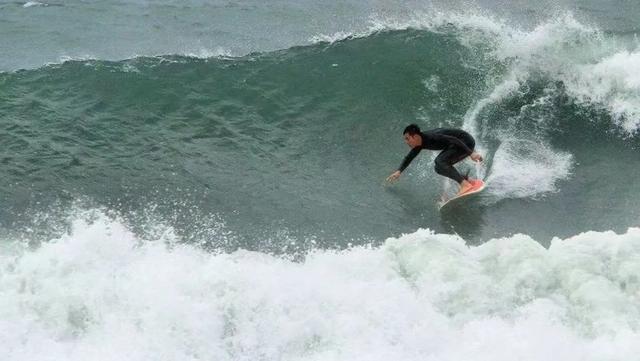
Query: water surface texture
191	180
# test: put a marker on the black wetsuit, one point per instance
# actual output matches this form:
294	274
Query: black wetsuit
456	144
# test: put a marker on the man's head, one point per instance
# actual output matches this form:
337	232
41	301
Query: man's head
412	136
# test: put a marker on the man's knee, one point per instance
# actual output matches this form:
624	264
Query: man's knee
440	167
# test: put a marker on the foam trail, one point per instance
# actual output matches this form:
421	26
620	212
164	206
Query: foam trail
524	168
101	293
500	92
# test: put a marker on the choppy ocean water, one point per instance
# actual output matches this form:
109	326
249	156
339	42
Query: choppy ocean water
203	180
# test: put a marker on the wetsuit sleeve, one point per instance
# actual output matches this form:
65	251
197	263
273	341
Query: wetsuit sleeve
407	160
453	140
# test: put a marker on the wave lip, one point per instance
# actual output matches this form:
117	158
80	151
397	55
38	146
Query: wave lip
614	83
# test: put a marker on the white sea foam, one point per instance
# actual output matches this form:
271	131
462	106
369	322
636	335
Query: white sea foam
33	3
524	168
613	82
596	70
330	38
205	53
101	293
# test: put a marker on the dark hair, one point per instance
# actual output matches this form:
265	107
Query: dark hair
412	129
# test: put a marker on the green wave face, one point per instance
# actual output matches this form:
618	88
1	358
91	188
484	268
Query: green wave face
299	141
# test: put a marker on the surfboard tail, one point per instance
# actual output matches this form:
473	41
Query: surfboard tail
477	186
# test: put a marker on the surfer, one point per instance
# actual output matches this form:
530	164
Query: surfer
456	145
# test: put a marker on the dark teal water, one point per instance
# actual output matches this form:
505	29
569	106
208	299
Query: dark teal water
294	145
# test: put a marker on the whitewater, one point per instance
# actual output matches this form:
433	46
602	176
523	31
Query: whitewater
100	292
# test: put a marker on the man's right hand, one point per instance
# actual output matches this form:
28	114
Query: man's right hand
393	177
475	156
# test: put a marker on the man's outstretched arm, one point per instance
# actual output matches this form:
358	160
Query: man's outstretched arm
407	160
405	163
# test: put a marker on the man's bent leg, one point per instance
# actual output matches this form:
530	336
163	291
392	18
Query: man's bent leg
444	166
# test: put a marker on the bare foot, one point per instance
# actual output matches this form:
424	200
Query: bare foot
465	186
